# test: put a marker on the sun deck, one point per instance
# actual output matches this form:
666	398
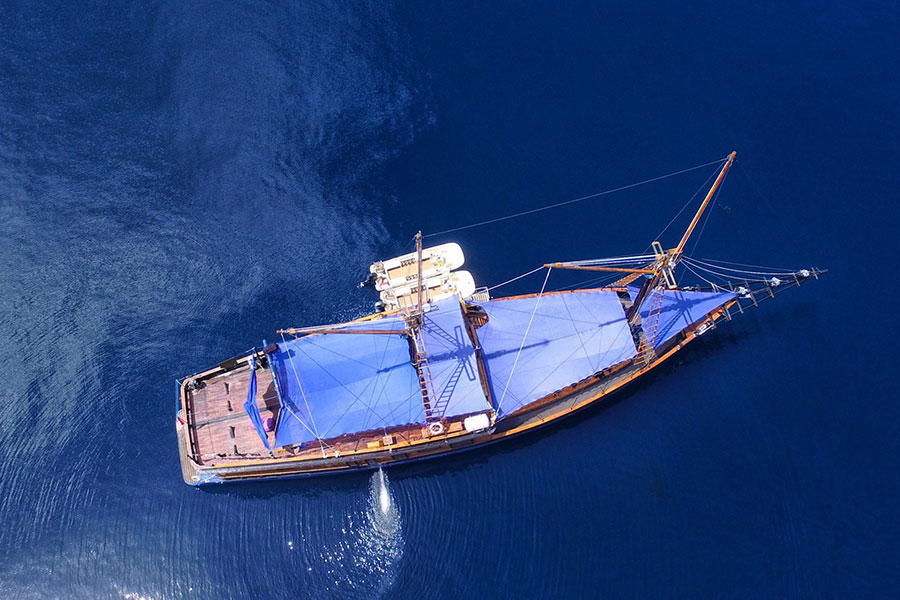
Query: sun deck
220	432
221	428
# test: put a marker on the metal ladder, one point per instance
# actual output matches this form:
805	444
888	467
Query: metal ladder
424	371
440	403
650	326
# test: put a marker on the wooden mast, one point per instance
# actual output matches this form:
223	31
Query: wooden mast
666	261
419	276
559	265
678	249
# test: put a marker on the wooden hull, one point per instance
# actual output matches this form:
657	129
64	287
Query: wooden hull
403	449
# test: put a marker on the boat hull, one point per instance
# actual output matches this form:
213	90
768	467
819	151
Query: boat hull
548	410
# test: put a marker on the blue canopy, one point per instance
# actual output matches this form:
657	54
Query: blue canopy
334	384
451	360
681	309
251	407
572	336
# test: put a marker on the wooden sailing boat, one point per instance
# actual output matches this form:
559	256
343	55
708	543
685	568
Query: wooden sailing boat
441	375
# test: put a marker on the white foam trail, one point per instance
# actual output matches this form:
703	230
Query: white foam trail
365	562
381	542
384	495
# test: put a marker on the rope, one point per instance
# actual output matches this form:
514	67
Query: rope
686	204
592	282
742	167
709	213
516	278
524	337
303	393
688	267
716	269
588	197
357	397
768	271
616	260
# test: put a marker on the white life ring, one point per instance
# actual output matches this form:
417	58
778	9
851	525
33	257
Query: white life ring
436	428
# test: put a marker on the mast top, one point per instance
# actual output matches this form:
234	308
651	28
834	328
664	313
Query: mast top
712	191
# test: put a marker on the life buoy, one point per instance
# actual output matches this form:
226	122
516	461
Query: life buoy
436	428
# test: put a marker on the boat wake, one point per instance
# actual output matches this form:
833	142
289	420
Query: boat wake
381	540
366	563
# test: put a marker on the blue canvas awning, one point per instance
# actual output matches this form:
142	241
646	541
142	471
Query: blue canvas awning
251	407
572	336
334	384
681	309
451	360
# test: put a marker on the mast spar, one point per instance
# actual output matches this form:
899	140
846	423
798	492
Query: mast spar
664	262
678	249
664	267
419	277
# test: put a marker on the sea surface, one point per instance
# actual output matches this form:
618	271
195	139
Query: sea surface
179	179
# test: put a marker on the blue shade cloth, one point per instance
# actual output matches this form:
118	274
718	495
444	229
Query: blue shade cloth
572	336
451	360
333	384
251	407
681	309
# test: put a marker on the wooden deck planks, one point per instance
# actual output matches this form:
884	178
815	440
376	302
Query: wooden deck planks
215	423
219	412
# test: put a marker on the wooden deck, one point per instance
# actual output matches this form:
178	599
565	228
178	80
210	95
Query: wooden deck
221	433
220	423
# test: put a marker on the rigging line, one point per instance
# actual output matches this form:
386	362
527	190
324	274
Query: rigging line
709	212
357	398
312	419
712	269
772	270
612	344
721	276
594	281
296	416
562	362
287	408
588	262
688	267
690	201
410	243
588	197
752	181
686	204
726	279
583	344
622	261
516	278
524	337
600	358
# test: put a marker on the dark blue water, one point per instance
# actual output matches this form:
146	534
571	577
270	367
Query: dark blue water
178	180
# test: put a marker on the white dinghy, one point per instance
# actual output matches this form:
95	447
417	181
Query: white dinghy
404	270
435	288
